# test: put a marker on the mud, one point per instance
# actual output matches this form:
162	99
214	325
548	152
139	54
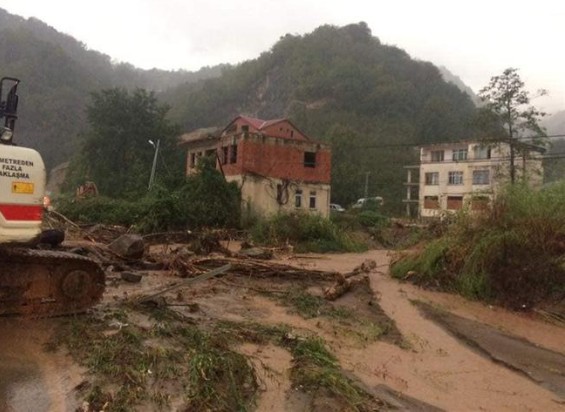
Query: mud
422	365
543	366
436	367
32	379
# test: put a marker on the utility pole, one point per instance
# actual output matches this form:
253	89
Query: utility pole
367	174
154	166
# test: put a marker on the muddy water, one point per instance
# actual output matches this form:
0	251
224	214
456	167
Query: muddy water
438	368
30	378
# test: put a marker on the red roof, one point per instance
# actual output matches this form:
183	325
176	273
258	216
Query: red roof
259	124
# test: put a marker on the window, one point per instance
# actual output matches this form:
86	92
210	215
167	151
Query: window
292	133
313	199
459	154
298	198
192	161
225	151
245	128
481	152
455	178
233	153
431	202
454	202
432	178
481	177
437	156
309	159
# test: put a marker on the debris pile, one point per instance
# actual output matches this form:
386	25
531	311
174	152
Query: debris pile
192	257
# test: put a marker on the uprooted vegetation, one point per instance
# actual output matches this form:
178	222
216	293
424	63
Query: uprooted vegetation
159	357
173	339
514	254
168	362
173	363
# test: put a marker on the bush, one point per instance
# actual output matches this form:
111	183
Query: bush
512	255
203	200
307	232
101	210
372	219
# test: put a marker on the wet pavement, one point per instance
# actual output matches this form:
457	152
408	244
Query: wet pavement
31	379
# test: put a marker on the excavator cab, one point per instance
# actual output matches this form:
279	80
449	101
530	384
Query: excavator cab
8	108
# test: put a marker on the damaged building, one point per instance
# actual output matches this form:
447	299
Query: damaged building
277	167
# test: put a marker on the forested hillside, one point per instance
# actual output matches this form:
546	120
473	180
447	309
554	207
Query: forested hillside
371	101
58	73
344	86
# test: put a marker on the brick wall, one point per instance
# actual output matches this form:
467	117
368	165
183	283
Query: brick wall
277	157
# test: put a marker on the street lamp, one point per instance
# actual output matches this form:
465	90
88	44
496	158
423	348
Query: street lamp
154	166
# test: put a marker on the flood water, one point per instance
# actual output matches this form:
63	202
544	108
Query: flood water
32	379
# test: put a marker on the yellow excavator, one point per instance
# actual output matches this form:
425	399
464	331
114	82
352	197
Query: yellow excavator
34	281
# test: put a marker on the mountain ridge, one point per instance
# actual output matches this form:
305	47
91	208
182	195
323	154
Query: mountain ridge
337	84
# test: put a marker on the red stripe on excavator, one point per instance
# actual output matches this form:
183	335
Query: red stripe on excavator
21	212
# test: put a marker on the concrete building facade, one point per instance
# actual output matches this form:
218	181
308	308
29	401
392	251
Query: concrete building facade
468	174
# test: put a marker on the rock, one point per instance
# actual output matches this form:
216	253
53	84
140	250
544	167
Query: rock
131	277
149	265
129	246
257	253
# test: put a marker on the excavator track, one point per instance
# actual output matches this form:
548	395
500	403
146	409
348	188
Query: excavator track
47	283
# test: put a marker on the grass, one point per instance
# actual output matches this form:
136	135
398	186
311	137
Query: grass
511	255
310	306
348	322
306	305
308	233
199	362
315	368
176	360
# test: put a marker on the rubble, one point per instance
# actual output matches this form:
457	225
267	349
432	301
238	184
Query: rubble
193	256
129	246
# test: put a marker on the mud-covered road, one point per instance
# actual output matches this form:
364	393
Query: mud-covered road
458	355
445	370
31	378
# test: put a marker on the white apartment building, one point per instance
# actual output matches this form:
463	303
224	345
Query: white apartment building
468	174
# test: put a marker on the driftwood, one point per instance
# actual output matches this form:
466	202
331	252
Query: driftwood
347	281
208	275
262	269
343	286
183	236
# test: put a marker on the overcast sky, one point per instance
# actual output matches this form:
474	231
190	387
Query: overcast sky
474	39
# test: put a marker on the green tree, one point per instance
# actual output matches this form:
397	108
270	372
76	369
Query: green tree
507	103
116	153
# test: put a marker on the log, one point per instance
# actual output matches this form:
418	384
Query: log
343	286
263	269
186	282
